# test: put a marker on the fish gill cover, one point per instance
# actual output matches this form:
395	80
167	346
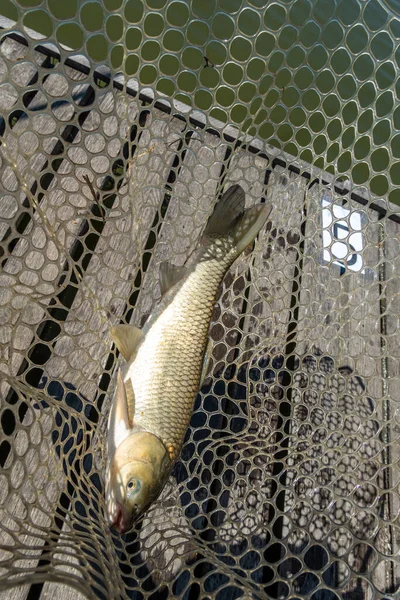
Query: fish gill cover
121	124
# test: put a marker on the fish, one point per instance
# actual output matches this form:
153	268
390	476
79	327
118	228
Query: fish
166	363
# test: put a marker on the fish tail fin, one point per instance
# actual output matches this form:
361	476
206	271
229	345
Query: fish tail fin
247	226
230	219
226	211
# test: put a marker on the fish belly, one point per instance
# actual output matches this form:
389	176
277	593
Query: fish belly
166	371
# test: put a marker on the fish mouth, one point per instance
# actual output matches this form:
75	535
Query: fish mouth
119	522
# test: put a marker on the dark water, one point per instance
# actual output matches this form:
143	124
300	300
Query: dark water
315	78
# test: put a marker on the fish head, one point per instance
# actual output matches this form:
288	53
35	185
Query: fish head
135	477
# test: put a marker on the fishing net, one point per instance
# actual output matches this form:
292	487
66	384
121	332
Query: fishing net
121	123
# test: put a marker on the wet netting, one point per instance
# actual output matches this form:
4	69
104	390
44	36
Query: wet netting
121	125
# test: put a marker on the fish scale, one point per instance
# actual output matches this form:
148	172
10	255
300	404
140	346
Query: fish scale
166	371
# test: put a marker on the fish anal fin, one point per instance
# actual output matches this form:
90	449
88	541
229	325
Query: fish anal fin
170	275
130	400
127	338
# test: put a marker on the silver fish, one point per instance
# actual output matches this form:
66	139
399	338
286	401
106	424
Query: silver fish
154	399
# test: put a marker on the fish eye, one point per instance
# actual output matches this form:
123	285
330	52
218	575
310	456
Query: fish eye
131	484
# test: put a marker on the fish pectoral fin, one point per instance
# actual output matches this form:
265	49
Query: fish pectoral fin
127	338
170	275
121	402
118	423
206	363
130	401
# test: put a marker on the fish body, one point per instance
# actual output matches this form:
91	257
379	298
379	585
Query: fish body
169	362
154	400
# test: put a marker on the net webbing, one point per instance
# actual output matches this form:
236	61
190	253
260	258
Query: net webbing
288	481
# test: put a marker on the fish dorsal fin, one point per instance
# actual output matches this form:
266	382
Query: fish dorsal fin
130	400
127	338
170	275
118	425
227	209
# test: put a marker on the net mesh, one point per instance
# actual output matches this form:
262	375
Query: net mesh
288	481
